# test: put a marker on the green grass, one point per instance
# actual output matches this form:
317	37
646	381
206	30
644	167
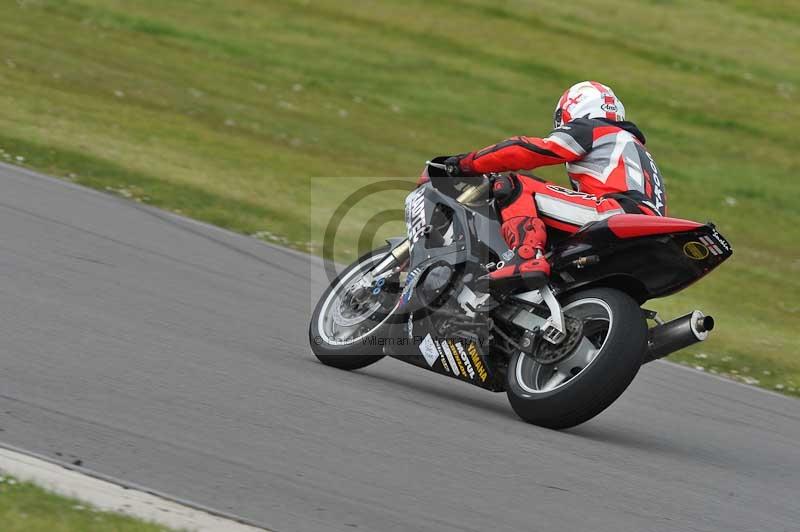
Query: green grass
250	114
25	507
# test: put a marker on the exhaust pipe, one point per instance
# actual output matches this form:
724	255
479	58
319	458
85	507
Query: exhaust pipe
674	335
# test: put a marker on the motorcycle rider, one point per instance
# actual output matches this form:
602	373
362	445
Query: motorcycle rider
609	168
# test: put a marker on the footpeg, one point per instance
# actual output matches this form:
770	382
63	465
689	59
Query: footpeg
551	333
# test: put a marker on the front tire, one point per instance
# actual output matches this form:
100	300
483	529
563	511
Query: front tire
360	350
601	367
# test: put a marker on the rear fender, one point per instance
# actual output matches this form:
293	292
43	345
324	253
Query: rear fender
645	256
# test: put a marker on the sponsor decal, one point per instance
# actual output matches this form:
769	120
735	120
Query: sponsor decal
608	107
442	358
476	361
411	282
455	365
428	350
415	215
571	193
695	250
445	365
462	354
715	250
722	242
658	190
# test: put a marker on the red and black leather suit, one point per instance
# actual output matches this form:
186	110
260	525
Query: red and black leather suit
609	167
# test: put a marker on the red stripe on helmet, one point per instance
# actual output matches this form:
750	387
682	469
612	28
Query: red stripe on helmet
599	86
608	99
563	99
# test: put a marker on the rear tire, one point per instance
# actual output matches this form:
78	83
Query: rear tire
354	355
611	361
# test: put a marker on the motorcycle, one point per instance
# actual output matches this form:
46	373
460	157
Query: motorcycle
562	353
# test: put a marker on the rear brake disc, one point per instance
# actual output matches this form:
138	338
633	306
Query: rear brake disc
547	353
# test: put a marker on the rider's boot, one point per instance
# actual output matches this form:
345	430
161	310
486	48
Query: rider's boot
527	237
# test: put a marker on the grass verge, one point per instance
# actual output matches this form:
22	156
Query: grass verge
25	507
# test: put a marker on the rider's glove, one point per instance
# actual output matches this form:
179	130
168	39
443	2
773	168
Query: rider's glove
460	165
453	166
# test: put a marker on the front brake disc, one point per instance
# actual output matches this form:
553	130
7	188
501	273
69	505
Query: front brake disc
351	311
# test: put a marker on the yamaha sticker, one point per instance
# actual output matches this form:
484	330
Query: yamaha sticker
476	361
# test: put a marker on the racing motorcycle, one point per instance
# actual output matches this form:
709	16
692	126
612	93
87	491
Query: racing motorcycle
562	353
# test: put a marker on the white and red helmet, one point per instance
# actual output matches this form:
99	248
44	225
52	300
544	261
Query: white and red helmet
588	99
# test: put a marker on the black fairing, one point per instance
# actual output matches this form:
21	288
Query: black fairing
475	238
646	267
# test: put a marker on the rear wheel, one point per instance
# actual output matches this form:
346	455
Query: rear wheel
345	327
606	359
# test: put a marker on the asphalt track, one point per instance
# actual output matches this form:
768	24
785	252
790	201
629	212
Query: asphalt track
174	355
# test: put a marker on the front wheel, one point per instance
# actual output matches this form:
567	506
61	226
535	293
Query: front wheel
345	327
577	388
